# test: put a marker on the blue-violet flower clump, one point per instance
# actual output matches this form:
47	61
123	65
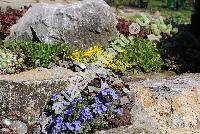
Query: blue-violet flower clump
77	115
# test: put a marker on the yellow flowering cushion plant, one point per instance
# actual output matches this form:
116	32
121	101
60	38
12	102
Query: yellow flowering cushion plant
92	55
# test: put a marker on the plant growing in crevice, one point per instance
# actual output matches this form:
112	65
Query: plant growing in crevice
82	114
10	62
39	54
98	54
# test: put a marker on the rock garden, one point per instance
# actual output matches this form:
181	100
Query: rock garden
100	67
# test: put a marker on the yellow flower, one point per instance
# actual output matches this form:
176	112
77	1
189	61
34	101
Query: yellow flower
97	53
87	56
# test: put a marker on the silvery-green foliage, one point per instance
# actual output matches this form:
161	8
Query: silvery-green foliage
112	51
157	26
155	29
81	80
145	21
9	61
59	106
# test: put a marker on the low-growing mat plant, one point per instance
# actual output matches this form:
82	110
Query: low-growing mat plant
82	114
141	54
10	62
39	54
100	55
123	55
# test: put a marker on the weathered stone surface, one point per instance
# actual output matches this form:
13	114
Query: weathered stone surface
169	106
164	106
19	127
161	105
24	95
125	130
81	23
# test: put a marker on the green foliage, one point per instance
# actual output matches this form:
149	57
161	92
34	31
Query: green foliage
117	2
153	26
141	54
178	18
158	5
159	27
40	54
10	62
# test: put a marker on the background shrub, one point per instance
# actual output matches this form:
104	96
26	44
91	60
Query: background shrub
195	19
181	53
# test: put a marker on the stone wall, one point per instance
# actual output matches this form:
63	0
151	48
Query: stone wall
24	95
166	105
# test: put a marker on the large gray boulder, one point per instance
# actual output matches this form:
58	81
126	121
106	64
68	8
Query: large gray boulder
80	23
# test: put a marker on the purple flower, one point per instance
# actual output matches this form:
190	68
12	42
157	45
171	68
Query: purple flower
64	102
64	127
69	126
77	125
99	108
96	98
54	97
80	99
104	92
72	102
74	126
52	120
58	126
100	99
57	121
68	112
67	90
114	96
111	92
118	111
56	107
85	114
